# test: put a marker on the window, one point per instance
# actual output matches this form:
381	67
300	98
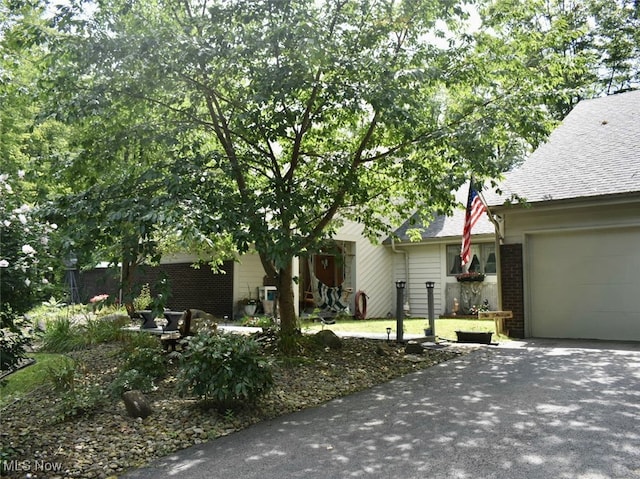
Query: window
483	259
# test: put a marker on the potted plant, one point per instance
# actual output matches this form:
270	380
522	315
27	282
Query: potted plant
249	304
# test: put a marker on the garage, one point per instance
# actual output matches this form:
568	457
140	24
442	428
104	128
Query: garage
584	284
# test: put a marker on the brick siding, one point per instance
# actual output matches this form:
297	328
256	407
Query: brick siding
512	287
190	287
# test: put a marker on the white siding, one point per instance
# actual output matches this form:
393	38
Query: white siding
248	276
428	262
424	264
371	271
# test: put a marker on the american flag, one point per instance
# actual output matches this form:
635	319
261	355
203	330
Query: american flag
475	209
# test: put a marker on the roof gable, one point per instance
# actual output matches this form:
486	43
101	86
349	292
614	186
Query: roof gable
594	152
444	226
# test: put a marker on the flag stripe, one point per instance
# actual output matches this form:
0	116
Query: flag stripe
475	210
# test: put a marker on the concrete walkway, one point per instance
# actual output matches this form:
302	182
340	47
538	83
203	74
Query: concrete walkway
534	409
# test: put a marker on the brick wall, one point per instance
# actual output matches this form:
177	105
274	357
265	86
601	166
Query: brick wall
98	281
190	287
512	288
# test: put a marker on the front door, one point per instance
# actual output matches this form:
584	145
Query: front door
327	270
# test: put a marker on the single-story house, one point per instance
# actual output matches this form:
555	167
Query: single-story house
570	258
566	262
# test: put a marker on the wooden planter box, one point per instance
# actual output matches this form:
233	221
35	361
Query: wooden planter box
474	337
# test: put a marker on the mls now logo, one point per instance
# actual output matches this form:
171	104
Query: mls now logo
30	466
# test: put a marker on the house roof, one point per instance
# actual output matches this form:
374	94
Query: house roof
445	226
594	152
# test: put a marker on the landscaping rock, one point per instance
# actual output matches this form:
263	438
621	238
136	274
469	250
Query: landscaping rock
383	349
113	443
413	348
137	404
328	338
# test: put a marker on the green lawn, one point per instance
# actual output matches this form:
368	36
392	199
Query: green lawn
445	328
28	378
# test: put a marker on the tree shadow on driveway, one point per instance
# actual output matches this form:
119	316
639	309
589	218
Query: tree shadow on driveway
544	409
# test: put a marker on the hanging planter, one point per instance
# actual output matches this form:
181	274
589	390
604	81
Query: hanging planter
469	277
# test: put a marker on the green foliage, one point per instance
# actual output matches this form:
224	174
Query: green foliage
62	334
257	321
15	336
84	399
24	255
79	395
143	300
130	380
102	330
143	362
63	374
226	369
311	113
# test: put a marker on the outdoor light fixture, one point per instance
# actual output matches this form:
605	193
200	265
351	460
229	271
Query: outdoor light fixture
388	333
432	323
399	310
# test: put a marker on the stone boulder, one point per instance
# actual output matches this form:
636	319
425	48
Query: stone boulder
413	348
137	404
383	349
328	338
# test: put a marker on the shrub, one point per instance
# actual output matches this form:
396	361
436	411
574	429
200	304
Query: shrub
15	336
143	362
98	331
25	259
61	336
225	369
129	380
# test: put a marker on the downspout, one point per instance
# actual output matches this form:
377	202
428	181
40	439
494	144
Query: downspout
406	306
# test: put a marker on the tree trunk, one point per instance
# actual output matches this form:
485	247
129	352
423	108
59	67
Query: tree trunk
286	303
286	300
126	285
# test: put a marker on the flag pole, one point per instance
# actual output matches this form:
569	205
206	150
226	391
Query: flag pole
496	225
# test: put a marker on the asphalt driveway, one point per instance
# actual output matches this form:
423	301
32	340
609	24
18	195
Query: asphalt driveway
538	409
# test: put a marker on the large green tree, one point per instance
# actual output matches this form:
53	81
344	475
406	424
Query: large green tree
315	111
296	115
584	48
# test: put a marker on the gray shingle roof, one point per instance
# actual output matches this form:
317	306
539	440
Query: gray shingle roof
447	226
594	152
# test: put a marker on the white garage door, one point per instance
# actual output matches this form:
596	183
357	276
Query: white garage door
585	284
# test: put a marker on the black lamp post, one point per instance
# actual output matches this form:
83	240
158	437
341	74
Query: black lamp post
432	324
399	310
388	333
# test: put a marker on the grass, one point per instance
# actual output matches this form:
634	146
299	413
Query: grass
445	328
29	378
